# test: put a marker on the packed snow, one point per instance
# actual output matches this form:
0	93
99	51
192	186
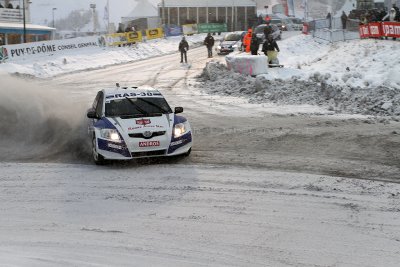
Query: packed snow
95	58
188	215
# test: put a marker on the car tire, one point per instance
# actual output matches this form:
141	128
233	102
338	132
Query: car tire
97	158
188	153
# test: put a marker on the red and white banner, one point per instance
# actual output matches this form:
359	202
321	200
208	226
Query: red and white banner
391	29
375	29
380	29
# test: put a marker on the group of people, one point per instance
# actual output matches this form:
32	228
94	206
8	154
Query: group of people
376	15
251	44
184	47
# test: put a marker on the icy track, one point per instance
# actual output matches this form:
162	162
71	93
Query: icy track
245	196
174	215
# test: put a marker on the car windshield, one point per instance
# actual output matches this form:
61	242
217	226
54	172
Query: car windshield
260	29
232	37
276	21
137	107
297	21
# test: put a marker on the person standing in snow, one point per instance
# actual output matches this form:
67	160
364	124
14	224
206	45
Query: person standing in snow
270	49
344	20
247	40
329	19
183	48
267	30
397	12
254	45
209	43
391	15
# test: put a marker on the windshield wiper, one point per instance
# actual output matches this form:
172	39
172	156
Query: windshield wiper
137	107
155	105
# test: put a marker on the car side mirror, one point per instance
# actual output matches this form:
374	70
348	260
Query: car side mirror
178	110
91	114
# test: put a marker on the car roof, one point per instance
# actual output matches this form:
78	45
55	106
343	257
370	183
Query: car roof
265	25
235	32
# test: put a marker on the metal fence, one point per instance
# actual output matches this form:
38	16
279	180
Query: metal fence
332	30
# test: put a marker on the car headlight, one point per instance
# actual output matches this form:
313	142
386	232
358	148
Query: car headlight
110	134
235	46
219	47
181	129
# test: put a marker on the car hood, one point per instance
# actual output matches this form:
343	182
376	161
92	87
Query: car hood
140	125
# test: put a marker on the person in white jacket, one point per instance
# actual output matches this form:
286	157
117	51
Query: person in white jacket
391	15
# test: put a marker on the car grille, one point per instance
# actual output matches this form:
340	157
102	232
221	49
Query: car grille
148	153
140	135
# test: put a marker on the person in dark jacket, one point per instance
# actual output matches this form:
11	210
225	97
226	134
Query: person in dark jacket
267	30
209	43
183	48
344	20
269	48
254	45
329	20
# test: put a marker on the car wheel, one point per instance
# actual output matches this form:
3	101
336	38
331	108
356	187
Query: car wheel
188	153
97	158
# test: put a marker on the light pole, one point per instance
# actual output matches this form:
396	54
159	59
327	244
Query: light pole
23	15
93	6
54	22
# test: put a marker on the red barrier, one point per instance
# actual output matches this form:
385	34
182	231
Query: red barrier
305	28
391	29
375	29
380	29
364	31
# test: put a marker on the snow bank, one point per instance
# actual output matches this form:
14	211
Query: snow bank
247	64
68	62
381	100
357	63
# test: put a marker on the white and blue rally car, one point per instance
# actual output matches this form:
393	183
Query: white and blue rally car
132	122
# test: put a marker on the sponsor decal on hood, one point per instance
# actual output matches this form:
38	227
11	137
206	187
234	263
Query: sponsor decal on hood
143	121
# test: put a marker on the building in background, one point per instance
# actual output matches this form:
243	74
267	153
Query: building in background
365	4
12	24
237	14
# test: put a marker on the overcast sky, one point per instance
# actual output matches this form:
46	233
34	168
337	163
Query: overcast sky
41	10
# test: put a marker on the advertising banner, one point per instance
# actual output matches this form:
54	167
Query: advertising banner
189	29
46	48
116	39
380	29
391	29
3	54
212	27
375	30
134	37
364	31
173	30
154	33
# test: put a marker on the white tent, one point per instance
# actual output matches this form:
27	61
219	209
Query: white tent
143	9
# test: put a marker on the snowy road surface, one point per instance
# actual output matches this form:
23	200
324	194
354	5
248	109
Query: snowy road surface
191	215
245	197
